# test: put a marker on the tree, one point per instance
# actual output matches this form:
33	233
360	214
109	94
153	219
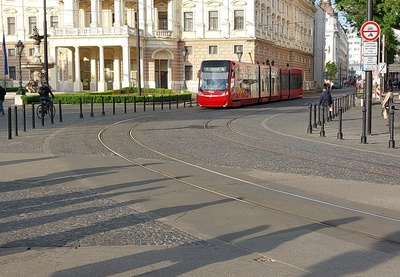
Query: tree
385	12
331	69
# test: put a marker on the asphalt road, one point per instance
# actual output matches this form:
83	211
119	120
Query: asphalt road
200	192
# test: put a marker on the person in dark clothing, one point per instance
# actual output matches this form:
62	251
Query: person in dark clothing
45	92
2	97
325	99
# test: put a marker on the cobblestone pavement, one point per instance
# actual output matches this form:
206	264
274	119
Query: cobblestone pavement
42	214
39	215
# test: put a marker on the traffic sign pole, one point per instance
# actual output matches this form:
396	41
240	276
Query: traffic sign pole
368	74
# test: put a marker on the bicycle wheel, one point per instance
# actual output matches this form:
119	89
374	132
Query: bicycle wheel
39	111
52	110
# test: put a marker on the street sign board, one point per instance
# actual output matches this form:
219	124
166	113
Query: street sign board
370	63
370	48
370	31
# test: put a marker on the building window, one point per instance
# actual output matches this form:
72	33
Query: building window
12	73
213	49
238	20
188	21
188	72
32	23
162	21
11	52
213	20
54	21
31	51
11	25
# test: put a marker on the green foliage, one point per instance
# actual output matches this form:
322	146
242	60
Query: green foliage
385	12
14	89
113	96
331	69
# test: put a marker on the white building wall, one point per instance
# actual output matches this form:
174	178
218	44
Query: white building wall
319	47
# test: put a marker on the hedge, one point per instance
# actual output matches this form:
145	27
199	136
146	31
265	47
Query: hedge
118	96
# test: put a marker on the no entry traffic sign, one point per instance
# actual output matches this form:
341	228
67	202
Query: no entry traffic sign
370	31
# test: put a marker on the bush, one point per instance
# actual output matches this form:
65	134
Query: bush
118	96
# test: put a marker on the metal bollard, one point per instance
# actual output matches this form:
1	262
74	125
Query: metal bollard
16	120
322	132
51	114
134	104
60	110
340	132
154	104
103	112
80	108
43	112
177	101
315	116
162	102
364	126
24	116
144	103
319	114
169	101
91	107
113	105
124	104
9	124
391	127
309	129
33	116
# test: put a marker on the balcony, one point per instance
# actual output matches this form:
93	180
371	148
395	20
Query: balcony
163	33
94	31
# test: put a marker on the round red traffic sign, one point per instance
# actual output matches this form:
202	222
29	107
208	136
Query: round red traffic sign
370	31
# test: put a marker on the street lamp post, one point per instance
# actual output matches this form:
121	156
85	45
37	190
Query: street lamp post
185	53
20	47
239	55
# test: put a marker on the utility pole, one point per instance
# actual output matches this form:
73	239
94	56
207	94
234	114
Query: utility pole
45	56
139	89
368	80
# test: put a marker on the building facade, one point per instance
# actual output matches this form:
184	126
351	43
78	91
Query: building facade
355	69
336	44
98	45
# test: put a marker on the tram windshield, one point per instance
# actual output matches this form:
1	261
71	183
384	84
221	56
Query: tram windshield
214	75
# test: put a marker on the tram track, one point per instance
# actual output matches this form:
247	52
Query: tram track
130	131
391	169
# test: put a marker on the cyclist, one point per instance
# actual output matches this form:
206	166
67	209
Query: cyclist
44	92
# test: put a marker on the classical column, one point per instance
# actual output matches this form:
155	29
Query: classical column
53	73
93	70
102	83
77	82
118	13
71	12
95	13
126	66
117	71
150	21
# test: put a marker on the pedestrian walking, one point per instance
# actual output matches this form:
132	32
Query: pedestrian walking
386	102
2	97
325	99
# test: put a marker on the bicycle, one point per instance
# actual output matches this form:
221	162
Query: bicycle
50	110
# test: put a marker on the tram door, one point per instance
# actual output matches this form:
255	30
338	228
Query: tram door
161	73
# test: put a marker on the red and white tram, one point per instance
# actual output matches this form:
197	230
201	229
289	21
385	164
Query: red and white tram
224	83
